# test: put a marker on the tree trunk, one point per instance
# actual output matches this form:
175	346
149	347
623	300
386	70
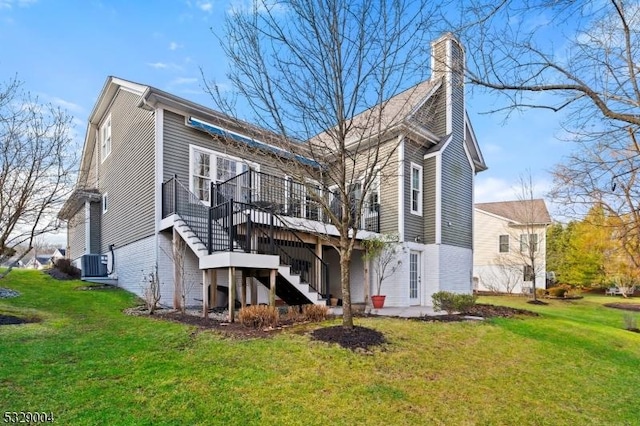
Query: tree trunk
533	269
345	263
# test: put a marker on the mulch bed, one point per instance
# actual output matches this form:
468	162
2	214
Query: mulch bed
482	311
635	307
59	275
359	339
356	339
234	329
11	320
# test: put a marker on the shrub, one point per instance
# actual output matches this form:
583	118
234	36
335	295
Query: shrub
451	302
443	301
293	313
315	313
541	292
558	291
65	266
464	302
258	316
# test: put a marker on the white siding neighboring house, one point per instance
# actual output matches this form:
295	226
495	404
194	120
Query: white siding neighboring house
508	235
60	253
39	262
158	170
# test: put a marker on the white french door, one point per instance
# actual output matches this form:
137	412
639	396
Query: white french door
414	277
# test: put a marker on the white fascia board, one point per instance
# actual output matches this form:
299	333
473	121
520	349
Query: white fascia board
87	227
438	223
438	152
159	172
401	183
479	210
474	139
468	155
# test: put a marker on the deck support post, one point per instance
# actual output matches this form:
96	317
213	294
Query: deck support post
367	281
243	299
323	292
206	282
177	276
232	293
254	288
272	287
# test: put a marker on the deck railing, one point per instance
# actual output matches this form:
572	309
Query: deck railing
287	197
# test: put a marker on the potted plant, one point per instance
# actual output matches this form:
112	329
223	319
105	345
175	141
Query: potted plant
383	254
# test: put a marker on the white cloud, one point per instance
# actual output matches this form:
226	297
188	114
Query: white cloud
8	4
164	66
205	6
180	81
69	106
174	46
158	65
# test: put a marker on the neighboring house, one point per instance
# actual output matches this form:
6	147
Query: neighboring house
39	262
13	262
60	253
167	182
508	236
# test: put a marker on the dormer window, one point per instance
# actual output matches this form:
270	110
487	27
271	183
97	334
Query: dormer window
105	138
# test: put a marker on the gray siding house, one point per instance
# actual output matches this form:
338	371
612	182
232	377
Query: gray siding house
170	186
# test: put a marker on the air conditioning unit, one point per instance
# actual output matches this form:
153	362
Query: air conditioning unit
94	265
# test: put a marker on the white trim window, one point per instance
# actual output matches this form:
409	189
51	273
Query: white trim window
526	239
105	138
313	192
105	202
373	196
207	166
293	192
416	189
300	201
503	243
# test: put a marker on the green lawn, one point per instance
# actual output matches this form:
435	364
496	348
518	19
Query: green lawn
90	364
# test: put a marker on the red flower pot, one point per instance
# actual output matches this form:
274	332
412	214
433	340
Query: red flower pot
378	301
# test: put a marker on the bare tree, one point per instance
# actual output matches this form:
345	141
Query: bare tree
583	55
318	74
604	174
578	58
501	277
37	163
383	253
530	231
182	286
151	289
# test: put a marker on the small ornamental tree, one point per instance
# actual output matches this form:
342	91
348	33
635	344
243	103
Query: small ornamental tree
383	253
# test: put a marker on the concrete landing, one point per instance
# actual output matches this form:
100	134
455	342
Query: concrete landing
402	312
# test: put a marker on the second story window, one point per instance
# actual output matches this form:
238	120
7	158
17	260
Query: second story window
504	244
211	167
105	138
302	200
529	241
416	189
201	174
373	196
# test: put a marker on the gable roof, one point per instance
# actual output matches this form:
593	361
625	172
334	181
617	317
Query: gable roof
519	211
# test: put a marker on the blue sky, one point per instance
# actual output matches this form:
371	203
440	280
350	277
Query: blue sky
64	51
